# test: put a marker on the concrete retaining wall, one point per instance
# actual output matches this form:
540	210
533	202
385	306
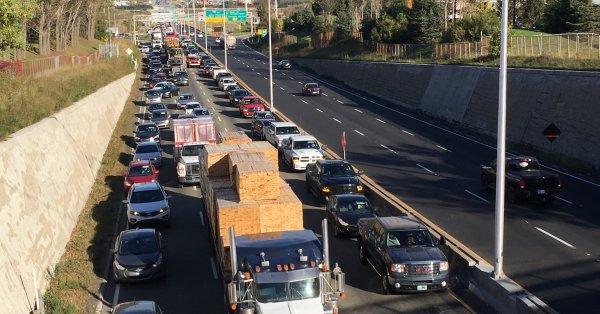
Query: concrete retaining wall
468	96
47	171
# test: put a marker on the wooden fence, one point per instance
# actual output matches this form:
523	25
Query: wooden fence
43	65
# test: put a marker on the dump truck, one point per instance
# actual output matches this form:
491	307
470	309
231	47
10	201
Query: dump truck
270	262
191	135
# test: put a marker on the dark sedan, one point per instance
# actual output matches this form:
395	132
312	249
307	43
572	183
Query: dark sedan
311	89
344	211
147	132
235	97
138	255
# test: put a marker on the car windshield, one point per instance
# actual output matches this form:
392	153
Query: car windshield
201	112
354	206
192	106
287	291
159	114
312	144
312	85
191	150
240	93
181	73
143	244
186	97
263	115
338	170
253	101
154	107
283	130
153	93
409	238
147	129
139	171
146	196
144	149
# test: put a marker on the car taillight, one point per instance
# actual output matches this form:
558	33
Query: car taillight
522	184
559	182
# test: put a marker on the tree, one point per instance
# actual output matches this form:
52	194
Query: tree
425	22
345	18
569	16
12	15
531	13
389	29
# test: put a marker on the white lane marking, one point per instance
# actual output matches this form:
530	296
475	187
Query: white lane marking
564	200
291	78
477	196
391	150
266	78
359	132
341	102
116	295
357	110
299	82
247	66
276	70
281	88
225	129
202	219
219	117
283	73
555	237
257	73
304	101
293	95
203	93
443	148
336	120
263	63
325	95
319	110
408	133
254	70
424	168
381	121
214	267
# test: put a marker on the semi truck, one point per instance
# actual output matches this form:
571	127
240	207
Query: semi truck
190	137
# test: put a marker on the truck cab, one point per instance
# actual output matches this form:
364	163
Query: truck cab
403	253
300	150
277	131
191	134
283	272
331	177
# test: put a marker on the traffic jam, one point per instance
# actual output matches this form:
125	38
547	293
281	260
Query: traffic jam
267	266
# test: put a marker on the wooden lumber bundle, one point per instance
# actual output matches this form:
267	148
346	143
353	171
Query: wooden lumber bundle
238	157
256	181
231	137
215	156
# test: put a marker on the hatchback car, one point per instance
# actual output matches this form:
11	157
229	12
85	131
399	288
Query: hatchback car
140	172
199	112
168	89
147	132
147	203
183	99
156	106
344	211
138	256
153	95
311	89
161	118
137	307
148	151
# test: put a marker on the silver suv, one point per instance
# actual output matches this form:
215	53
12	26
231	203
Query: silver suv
147	203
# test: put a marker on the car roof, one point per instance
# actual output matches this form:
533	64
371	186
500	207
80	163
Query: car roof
186	94
136	307
147	124
140	163
332	161
304	138
132	233
401	222
278	124
192	103
146	186
351	197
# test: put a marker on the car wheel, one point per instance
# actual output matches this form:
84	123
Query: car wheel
385	286
362	255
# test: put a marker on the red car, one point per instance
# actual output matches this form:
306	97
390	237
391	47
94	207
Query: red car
140	172
251	104
193	62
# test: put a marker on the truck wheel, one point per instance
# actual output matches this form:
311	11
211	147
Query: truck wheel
385	286
362	255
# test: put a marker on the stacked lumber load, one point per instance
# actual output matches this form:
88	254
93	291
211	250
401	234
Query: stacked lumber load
256	181
238	157
230	137
215	156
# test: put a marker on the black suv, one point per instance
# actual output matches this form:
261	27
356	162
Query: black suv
332	177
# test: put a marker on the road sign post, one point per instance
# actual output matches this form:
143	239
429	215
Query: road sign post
344	143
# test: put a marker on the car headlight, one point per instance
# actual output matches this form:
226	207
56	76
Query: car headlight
295	158
444	266
342	223
326	189
397	268
164	209
134	212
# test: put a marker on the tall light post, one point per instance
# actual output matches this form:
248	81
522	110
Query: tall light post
195	21
109	33
501	149
270	57
225	34
205	27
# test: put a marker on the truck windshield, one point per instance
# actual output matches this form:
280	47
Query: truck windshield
282	130
339	170
191	150
306	145
287	291
409	238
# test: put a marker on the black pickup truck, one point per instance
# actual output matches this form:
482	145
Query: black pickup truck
332	177
525	180
404	254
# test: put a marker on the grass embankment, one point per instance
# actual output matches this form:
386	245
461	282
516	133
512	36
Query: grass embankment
79	272
27	100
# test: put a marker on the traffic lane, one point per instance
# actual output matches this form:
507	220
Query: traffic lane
186	255
362	282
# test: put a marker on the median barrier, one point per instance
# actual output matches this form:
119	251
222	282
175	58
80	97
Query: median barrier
48	170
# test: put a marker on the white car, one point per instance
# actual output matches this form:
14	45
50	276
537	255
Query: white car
147	202
300	150
153	96
190	106
277	131
226	81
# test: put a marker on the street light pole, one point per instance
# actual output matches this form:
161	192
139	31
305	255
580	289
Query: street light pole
501	149
270	58
205	28
225	34
195	19
109	33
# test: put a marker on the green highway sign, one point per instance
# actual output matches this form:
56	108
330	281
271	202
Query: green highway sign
237	15
215	13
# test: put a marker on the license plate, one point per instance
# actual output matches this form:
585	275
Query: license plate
421	287
541	191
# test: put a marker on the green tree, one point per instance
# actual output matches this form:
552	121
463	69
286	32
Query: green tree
101	32
345	18
569	16
13	15
389	29
531	13
425	22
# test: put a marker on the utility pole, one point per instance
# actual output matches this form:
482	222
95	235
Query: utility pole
109	33
195	21
270	58
225	34
205	28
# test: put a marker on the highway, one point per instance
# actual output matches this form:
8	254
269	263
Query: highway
192	284
551	250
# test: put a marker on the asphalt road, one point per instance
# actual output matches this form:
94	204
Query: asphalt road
191	285
551	250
